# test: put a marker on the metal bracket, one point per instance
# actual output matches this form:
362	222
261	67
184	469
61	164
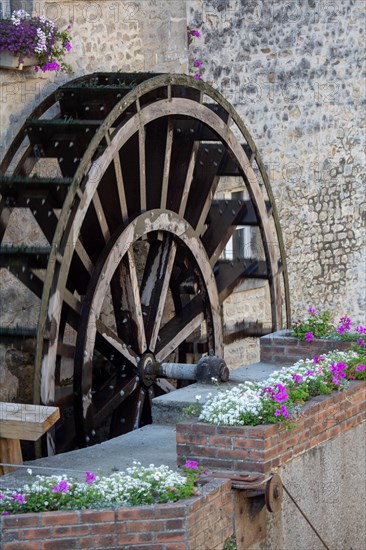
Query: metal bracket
269	487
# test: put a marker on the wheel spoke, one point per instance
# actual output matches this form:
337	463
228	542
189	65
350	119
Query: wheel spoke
130	290
106	401
168	156
179	328
108	343
155	286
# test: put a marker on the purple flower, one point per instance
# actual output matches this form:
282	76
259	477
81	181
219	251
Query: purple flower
1	496
51	66
312	310
61	487
282	411
195	32
277	393
282	393
360	342
338	370
360	367
5	513
67	46
297	378
310	372
18	497
90	478
361	329
198	63
309	336
345	323
197	75
191	465
317	359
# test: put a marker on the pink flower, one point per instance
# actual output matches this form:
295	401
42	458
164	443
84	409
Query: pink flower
67	46
61	487
282	411
191	465
297	378
317	359
18	497
197	75
360	367
360	342
309	336
198	63
90	478
312	310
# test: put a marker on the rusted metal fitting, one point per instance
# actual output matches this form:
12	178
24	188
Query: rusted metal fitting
209	370
212	368
268	487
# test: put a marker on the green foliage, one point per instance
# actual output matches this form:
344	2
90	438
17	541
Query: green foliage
317	323
230	543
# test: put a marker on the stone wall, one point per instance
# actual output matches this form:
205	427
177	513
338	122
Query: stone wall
293	72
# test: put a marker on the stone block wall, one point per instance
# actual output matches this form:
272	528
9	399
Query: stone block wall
293	70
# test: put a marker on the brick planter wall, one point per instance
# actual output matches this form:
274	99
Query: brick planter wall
281	347
264	447
201	522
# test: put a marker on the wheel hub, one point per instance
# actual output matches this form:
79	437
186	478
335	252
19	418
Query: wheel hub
148	369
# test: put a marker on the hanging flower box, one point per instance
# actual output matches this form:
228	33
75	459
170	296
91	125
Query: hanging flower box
27	40
11	61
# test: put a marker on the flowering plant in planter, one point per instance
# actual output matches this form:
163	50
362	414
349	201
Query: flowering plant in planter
317	325
25	36
137	486
279	398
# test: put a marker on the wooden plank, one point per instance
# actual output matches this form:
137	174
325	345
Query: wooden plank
10	453
29	422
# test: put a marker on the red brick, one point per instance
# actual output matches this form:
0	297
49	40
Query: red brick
97	516
174	536
145	526
34	545
203	429
171	510
62	544
135	512
23	520
101	541
220	441
242	443
71	530
175	546
11	535
134	538
59	518
191	438
107	528
38	533
174	524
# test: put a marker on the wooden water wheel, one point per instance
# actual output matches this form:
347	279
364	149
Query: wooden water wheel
121	172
